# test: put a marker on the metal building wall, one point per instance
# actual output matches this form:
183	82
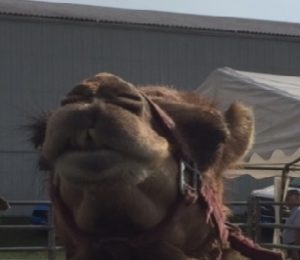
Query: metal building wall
41	59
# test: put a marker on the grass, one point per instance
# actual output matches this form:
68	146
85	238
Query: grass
18	237
23	238
27	255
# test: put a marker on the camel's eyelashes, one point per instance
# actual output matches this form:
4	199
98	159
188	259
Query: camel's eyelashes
38	130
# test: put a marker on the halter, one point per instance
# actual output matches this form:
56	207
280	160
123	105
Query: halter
193	190
198	191
190	175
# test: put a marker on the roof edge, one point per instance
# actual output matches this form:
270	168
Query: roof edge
158	19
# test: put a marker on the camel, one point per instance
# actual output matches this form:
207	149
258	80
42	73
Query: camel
136	172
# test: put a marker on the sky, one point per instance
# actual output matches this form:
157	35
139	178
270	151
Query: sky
276	10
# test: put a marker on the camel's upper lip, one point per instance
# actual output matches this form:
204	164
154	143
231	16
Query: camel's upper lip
100	151
95	166
92	160
86	141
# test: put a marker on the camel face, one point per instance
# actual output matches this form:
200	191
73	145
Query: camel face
115	166
103	125
101	145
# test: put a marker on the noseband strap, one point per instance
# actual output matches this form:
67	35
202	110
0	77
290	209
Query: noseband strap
190	175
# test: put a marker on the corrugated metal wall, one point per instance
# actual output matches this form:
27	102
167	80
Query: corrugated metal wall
41	59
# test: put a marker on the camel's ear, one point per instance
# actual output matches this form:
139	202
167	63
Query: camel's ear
212	137
203	129
240	122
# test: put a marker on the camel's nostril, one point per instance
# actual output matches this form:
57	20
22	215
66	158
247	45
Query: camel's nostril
91	134
85	139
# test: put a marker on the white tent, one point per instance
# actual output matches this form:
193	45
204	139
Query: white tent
276	104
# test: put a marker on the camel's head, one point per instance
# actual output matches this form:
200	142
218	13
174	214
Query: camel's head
113	161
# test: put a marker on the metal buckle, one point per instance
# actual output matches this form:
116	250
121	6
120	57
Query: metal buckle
186	169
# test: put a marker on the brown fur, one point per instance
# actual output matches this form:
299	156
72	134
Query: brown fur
115	170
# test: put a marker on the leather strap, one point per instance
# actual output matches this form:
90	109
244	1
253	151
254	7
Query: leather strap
248	248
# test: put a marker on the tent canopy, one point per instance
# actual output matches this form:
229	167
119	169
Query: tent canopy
275	101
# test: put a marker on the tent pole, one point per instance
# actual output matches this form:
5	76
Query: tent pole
280	190
277	198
